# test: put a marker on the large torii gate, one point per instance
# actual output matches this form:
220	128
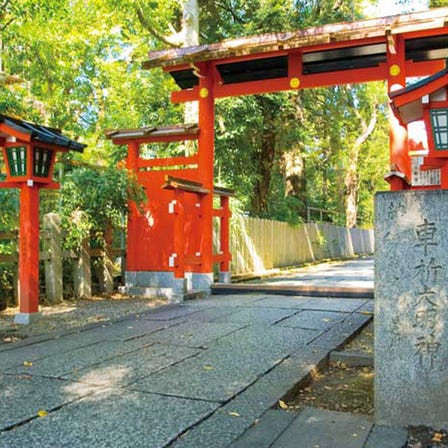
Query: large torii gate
390	48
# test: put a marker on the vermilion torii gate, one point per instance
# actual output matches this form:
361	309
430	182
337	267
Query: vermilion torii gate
391	49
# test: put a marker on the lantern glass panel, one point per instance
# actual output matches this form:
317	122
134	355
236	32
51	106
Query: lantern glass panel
42	161
439	123
16	160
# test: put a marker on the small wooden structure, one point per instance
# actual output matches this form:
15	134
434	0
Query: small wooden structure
427	101
29	151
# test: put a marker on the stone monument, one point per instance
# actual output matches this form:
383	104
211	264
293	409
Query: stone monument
411	308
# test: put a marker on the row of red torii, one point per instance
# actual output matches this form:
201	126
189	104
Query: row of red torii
170	245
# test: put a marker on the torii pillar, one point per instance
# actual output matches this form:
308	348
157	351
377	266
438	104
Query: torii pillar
399	177
206	148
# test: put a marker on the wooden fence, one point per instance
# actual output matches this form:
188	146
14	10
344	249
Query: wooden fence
52	255
258	245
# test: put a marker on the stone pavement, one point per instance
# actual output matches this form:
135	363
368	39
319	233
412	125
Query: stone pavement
352	278
197	374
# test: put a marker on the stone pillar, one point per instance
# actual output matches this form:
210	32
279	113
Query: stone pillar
411	308
106	274
82	270
53	265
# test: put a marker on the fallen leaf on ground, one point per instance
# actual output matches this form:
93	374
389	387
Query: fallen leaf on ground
42	413
234	414
437	437
282	404
209	368
27	363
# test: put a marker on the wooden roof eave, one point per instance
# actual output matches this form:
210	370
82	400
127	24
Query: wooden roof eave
264	43
177	132
407	103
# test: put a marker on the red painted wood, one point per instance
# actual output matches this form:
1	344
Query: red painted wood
179	234
169	161
29	250
398	141
206	147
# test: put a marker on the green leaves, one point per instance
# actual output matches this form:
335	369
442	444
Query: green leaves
102	195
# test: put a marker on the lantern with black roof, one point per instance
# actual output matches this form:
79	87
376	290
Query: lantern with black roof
29	152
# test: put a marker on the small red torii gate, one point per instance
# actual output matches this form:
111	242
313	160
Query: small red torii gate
170	246
390	48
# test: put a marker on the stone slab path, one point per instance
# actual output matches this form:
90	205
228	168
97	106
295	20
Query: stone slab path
352	278
197	374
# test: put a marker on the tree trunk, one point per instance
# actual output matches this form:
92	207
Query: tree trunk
190	37
351	175
295	181
264	162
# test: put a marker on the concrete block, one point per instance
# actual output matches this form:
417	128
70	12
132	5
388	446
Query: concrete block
325	429
68	362
122	419
225	277
411	308
202	282
262	434
26	318
129	368
258	315
21	397
225	369
315	320
387	437
241	413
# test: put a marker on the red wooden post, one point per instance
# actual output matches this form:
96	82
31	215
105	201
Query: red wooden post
28	253
398	142
179	235
132	242
206	146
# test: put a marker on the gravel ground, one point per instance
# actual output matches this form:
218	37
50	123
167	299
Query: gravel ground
74	314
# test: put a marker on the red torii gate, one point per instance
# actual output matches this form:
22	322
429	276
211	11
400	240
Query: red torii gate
391	49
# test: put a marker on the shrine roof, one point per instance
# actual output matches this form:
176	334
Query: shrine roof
37	133
326	48
153	132
407	102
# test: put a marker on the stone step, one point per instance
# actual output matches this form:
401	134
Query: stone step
319	428
386	437
352	358
264	433
302	290
325	429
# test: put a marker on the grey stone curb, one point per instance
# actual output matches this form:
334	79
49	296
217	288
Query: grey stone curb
352	358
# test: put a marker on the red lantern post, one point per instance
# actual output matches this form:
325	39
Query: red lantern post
29	152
